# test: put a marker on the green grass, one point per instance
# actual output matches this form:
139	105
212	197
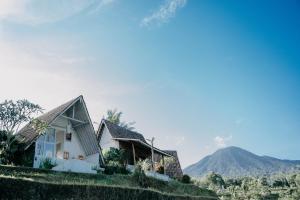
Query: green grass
127	181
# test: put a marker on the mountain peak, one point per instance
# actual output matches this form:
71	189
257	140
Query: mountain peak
234	161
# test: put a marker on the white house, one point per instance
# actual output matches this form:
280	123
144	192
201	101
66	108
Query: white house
111	135
70	141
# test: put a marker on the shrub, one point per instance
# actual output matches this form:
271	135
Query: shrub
160	169
140	177
47	164
115	155
186	179
113	167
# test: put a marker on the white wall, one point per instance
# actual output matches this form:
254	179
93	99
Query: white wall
74	146
93	158
106	140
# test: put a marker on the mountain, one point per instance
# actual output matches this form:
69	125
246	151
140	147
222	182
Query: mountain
235	162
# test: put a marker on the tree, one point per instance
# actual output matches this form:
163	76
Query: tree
114	116
8	147
13	114
215	179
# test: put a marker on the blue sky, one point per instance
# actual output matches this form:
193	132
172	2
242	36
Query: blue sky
197	75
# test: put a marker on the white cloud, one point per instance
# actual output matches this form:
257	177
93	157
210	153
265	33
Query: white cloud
222	142
34	12
164	13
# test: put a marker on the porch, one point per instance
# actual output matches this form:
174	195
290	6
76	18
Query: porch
139	150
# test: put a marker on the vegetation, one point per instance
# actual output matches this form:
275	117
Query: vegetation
115	161
47	164
186	179
276	187
61	185
114	116
12	115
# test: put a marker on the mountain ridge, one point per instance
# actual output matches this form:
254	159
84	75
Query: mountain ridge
234	162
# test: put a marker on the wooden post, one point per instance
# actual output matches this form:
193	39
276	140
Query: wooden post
163	161
133	150
152	154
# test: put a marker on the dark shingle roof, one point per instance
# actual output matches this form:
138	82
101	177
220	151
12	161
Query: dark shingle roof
27	134
120	132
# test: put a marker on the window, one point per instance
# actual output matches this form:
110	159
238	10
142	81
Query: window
68	136
50	135
66	155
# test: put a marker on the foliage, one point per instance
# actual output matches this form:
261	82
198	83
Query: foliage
186	179
275	187
111	169
160	169
8	147
115	160
47	163
115	155
44	183
114	116
13	114
39	126
140	177
168	161
145	165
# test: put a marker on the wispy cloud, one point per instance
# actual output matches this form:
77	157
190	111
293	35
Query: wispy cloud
222	142
35	12
165	12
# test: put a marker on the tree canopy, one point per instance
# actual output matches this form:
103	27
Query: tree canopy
13	114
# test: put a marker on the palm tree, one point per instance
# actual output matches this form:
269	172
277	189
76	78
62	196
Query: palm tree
114	116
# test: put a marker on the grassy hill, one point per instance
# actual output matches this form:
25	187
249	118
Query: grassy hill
236	162
35	184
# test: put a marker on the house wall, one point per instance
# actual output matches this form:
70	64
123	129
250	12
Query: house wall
106	140
74	146
93	158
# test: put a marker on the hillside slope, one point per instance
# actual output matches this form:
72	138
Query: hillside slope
235	161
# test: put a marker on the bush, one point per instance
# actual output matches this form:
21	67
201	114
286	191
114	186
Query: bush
160	169
186	179
111	169
115	155
47	164
140	177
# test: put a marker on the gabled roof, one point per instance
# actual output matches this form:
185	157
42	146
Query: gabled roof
120	132
27	134
85	131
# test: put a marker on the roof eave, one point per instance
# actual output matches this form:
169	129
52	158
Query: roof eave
145	144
